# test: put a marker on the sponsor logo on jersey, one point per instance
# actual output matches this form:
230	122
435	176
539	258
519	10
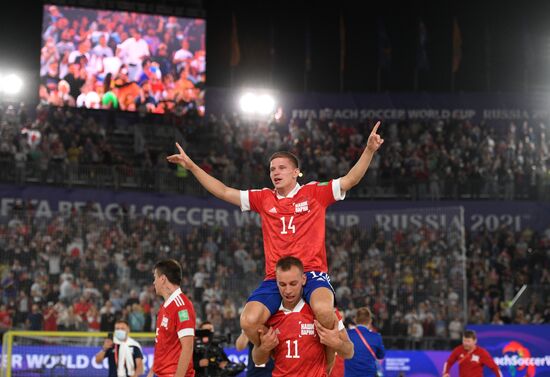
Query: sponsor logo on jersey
307	329
301	207
164	322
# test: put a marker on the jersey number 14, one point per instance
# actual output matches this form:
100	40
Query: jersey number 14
288	226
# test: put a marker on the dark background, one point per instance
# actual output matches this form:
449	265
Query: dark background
506	45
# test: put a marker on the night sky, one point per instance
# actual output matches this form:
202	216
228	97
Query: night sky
505	45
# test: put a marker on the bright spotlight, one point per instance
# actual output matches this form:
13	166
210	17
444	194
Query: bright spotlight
11	84
260	104
266	104
248	103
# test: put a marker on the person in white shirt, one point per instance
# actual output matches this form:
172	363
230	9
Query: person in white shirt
132	52
101	49
183	56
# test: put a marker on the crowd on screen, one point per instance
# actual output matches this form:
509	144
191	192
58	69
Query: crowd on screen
76	272
101	59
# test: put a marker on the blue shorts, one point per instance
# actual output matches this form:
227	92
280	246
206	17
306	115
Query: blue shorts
268	292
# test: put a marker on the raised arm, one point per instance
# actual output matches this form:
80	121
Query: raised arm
211	184
358	170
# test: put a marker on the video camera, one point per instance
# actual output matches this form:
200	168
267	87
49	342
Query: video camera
209	346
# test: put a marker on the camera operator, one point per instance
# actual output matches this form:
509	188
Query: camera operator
209	357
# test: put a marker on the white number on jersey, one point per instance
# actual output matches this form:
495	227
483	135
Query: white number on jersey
290	225
288	353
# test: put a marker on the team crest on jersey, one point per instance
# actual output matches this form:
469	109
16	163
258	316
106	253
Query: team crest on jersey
307	329
301	207
164	322
475	358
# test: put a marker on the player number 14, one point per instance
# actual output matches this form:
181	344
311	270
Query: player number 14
289	226
289	354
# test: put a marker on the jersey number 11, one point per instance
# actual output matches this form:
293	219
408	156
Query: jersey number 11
289	354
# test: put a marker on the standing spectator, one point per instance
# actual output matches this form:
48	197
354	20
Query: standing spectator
136	318
455	329
5	319
107	316
35	320
50	317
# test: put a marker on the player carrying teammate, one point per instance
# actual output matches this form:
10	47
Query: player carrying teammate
293	223
294	339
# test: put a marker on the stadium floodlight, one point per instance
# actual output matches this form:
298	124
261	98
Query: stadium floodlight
266	104
248	103
11	84
254	103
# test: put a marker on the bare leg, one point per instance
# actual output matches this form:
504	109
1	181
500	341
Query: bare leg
322	304
254	316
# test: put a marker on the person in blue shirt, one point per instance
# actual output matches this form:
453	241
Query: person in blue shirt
364	363
253	370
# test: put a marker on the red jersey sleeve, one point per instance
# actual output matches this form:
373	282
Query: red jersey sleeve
453	357
185	322
251	200
487	360
328	192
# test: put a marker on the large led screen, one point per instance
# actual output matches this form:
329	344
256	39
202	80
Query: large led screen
103	59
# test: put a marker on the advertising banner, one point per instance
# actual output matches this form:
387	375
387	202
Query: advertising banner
187	211
488	107
79	361
519	350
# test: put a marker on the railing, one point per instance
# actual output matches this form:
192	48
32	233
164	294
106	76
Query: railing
166	179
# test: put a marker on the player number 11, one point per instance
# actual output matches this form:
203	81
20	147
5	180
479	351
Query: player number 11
288	354
289	226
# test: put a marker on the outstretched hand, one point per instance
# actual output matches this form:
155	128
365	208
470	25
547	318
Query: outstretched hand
181	158
375	141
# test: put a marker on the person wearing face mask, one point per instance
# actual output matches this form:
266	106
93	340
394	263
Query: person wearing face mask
124	353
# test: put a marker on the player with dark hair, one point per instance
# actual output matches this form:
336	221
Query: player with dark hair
471	358
295	340
293	223
175	323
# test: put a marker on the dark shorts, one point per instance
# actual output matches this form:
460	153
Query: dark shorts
268	292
